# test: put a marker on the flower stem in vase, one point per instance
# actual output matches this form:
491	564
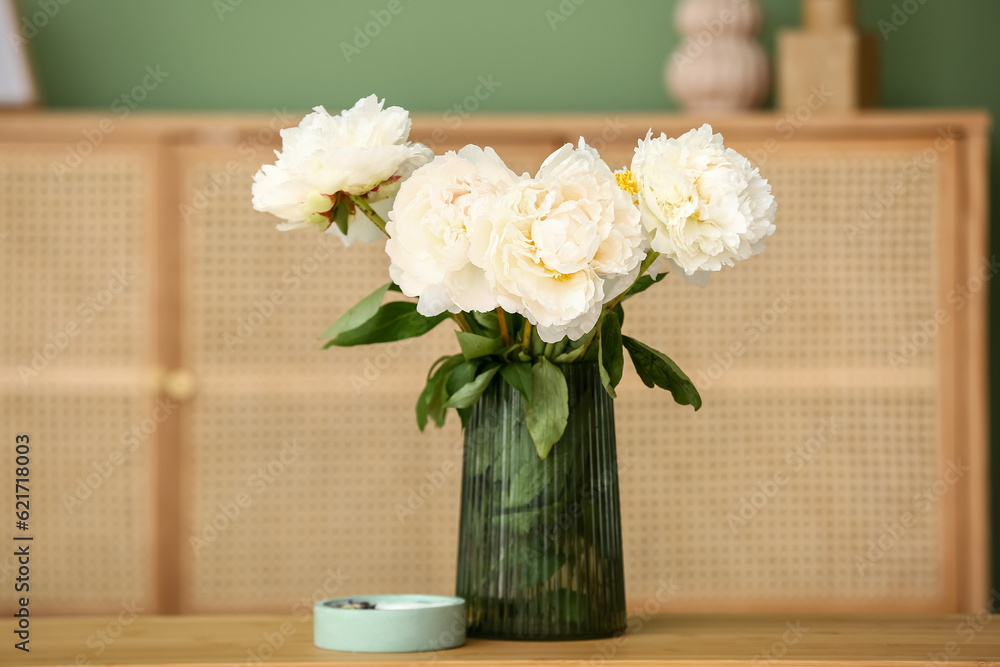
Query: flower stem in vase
526	337
502	319
463	323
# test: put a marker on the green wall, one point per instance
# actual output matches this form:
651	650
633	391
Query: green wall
258	55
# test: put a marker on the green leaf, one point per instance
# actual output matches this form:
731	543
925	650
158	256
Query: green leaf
572	354
481	454
395	320
524	521
362	311
341	212
612	355
620	312
540	567
518	376
605	376
462	375
435	403
656	369
643	284
488	322
426	406
422	405
464	414
437	363
531	479
469	393
548	410
513	354
531	563
475	346
537	344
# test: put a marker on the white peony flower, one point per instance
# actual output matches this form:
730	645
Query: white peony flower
557	247
363	151
704	205
429	230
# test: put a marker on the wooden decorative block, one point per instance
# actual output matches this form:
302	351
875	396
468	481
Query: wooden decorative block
827	14
831	70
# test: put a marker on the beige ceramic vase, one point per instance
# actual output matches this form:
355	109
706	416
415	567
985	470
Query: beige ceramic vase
719	66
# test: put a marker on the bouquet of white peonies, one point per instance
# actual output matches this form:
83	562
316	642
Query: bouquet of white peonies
532	269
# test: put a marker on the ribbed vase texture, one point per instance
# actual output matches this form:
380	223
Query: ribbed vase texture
540	549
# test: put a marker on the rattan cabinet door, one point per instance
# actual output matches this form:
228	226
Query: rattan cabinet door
303	471
339	489
827	470
76	351
823	471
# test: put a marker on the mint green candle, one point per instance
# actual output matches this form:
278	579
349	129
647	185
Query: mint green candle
389	623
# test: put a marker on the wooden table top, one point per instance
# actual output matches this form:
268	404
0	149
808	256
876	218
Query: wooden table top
671	639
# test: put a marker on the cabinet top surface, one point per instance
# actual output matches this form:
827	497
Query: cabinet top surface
669	639
39	125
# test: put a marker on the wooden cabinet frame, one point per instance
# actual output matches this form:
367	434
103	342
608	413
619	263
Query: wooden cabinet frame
964	245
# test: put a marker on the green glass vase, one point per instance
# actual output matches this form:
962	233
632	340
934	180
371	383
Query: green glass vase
540	549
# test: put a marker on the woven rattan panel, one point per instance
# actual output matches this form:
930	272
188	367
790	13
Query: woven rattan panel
363	495
74	251
335	428
92	514
812	438
74	350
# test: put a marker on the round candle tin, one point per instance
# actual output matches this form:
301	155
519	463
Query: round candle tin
389	623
